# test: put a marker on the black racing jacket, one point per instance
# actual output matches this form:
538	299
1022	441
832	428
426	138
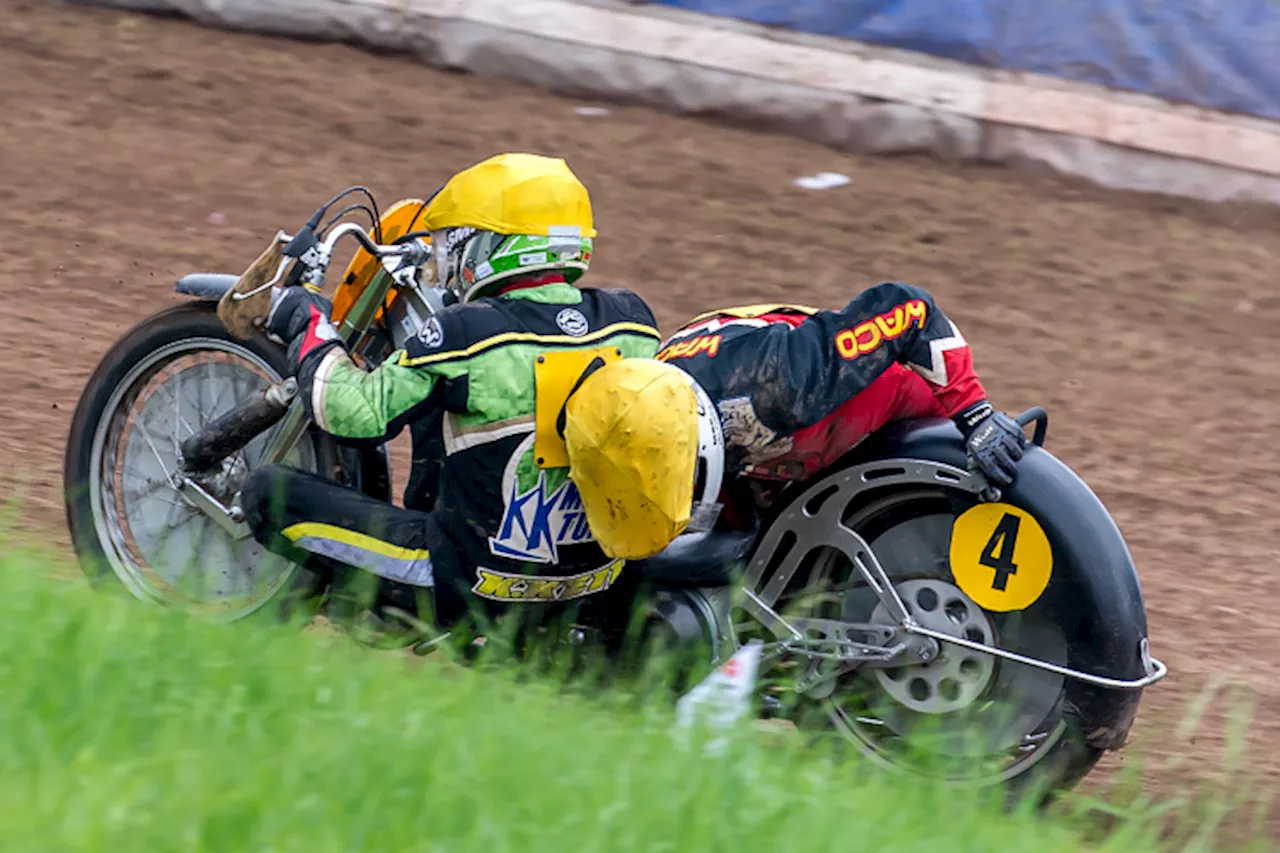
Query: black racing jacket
776	372
467	388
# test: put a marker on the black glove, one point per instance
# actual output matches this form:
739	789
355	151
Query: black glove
994	442
299	318
290	313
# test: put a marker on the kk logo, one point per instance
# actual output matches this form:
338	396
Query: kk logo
538	519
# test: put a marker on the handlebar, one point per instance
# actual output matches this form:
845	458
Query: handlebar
299	246
324	248
374	248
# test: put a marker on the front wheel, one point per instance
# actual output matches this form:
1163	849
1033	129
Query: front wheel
130	524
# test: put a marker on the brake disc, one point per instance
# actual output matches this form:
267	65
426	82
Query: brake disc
956	676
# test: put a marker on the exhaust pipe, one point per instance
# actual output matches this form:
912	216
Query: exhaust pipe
205	449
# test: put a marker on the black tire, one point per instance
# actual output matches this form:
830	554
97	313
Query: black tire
1060	765
1061	769
186	321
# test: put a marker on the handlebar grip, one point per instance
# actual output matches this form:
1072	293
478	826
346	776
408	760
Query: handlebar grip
302	242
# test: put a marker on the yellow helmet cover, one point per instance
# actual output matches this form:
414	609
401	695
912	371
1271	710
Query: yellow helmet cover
514	194
631	432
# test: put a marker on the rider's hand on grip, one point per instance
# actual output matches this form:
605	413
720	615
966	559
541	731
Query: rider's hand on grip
300	313
994	442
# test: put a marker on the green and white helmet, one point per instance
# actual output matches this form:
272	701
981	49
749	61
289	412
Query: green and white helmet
472	262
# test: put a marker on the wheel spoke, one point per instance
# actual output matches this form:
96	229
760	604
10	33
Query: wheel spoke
178	419
149	488
146	436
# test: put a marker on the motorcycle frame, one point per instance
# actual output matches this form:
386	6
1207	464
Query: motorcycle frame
911	641
294	424
353	330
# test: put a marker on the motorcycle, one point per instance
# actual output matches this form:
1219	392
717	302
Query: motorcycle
895	598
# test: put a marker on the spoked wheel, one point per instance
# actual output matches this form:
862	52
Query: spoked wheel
129	521
964	715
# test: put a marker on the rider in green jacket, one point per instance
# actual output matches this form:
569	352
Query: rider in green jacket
485	382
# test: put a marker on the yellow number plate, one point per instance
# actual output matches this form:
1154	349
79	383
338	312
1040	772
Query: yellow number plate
554	375
1000	557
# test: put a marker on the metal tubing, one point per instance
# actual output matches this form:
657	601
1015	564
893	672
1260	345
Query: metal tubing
1101	681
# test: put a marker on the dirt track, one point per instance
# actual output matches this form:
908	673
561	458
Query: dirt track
133	150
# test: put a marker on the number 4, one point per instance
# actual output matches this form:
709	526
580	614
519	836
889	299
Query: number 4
998	552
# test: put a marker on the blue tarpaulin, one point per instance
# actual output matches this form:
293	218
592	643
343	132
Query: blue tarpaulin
1224	55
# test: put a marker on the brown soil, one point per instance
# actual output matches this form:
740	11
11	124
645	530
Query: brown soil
133	150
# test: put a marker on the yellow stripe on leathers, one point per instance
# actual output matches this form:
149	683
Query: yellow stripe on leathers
372	544
526	338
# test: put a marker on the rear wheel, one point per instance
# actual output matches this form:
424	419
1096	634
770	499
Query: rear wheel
964	716
130	524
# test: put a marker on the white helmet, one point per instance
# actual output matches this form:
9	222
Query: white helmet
710	472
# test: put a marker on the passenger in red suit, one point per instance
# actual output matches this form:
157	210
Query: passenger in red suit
797	387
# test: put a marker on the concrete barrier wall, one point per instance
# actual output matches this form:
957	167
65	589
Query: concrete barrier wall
844	94
1224	56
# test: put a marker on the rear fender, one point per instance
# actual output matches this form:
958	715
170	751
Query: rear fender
1094	591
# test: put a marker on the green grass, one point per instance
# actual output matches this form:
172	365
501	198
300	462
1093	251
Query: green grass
125	727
